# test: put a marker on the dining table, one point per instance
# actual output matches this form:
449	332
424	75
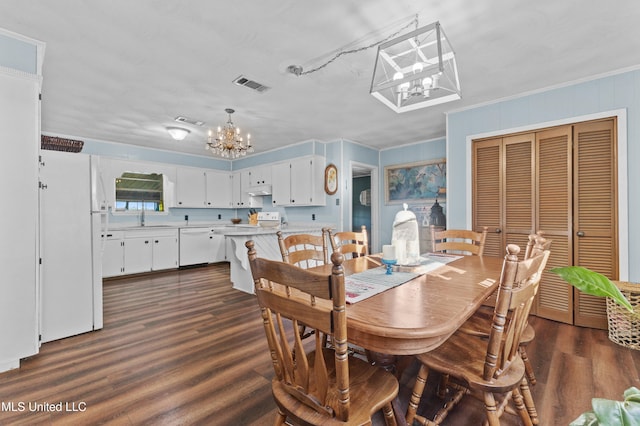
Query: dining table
420	314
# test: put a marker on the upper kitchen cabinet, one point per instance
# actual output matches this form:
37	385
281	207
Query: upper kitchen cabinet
190	187
203	188
299	182
260	175
241	185
218	189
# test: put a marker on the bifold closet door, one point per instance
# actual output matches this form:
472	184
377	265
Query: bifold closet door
595	212
554	216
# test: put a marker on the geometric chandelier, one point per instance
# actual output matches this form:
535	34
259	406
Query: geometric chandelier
416	70
227	141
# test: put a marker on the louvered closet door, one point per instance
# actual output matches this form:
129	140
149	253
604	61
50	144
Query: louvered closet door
554	215
487	193
503	191
595	216
519	194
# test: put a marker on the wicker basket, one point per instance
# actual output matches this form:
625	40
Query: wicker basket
624	327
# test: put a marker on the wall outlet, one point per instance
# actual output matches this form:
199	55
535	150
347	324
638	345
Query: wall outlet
186	217
313	216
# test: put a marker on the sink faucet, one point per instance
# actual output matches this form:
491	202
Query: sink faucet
142	218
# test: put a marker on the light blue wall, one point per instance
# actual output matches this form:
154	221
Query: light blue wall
428	150
620	91
18	54
132	152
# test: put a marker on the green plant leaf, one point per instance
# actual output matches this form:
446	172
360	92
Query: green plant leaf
592	283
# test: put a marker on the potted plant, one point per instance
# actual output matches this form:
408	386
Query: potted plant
605	412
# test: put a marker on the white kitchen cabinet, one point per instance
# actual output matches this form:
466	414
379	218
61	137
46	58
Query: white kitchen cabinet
190	187
217	247
139	250
260	175
219	189
165	251
241	198
299	182
281	184
137	254
113	254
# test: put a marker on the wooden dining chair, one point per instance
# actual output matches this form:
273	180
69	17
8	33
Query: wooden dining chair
489	365
304	250
536	244
347	242
461	241
315	384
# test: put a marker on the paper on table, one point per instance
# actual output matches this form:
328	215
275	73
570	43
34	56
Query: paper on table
373	281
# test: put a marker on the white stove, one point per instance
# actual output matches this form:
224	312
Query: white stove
269	219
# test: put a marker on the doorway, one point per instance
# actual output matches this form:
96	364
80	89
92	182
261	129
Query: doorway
364	201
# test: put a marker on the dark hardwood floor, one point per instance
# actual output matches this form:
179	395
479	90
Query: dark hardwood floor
183	347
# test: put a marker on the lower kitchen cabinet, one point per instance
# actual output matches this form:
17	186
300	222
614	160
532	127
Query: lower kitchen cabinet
165	252
217	248
140	250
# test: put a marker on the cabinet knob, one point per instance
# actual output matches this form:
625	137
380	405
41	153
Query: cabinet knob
580	234
498	230
156	241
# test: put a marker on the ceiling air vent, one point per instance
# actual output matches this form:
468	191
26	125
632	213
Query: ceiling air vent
244	81
181	119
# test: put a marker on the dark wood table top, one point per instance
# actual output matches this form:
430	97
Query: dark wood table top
419	315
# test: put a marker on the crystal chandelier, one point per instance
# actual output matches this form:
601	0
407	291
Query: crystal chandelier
227	142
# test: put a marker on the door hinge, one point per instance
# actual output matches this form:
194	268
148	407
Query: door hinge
41	185
40	261
39	96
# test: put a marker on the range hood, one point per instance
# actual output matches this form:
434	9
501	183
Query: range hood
259	190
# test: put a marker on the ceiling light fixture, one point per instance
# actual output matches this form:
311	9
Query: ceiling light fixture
416	70
227	142
178	133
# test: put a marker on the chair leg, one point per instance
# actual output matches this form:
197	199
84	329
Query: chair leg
389	415
528	401
517	399
442	386
491	410
418	389
527	365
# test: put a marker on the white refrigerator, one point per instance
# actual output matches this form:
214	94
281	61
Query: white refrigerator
70	232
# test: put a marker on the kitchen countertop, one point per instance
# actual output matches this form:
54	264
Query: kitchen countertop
241	229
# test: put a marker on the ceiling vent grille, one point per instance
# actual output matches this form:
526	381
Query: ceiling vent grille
244	81
181	119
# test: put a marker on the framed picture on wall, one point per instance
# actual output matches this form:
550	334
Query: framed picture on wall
415	182
331	179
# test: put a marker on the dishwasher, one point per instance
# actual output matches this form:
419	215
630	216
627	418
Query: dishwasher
194	246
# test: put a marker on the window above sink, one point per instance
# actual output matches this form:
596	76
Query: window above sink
137	192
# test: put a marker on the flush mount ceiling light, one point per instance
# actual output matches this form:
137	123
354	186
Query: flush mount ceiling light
178	133
416	70
227	141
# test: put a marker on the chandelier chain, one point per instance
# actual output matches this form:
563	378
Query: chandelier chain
359	49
